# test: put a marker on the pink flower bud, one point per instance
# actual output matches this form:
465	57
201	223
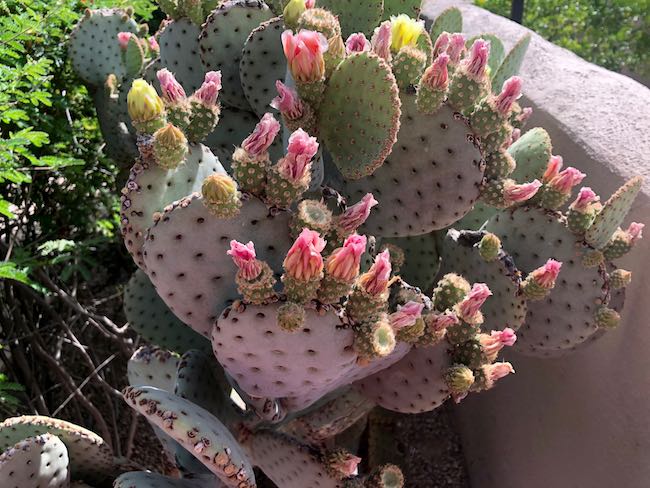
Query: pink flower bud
263	136
304	261
357	43
357	214
440	322
525	114
297	163
382	40
496	371
441	45
304	53
436	76
244	257
564	181
172	90
495	341
586	198
153	44
406	315
514	137
478	57
375	281
287	102
514	193
474	300
546	275
123	39
635	231
552	168
511	91
209	90
456	48
347	466
343	264
310	3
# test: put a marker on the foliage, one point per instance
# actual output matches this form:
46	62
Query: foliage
612	33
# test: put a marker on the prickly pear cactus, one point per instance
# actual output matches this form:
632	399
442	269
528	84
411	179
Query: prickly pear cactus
308	183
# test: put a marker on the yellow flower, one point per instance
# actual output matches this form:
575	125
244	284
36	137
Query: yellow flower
143	102
405	31
219	189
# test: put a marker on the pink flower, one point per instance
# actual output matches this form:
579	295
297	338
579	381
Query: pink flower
263	136
381	40
310	3
635	231
304	53
456	48
441	45
586	198
525	114
496	371
477	60
375	281
546	275
357	214
439	322
304	261
436	76
343	264
471	304
244	257
123	39
357	43
209	90
287	102
153	44
171	89
347	466
511	91
514	137
514	193
406	315
564	181
296	165
552	168
495	341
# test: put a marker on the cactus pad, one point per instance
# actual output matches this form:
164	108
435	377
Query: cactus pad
141	479
449	20
152	366
94	50
90	457
34	462
360	113
613	213
532	152
511	64
396	7
150	317
235	125
179	53
150	188
262	64
422	260
414	384
222	40
476	217
186	255
565	317
197	431
423	185
112	114
355	15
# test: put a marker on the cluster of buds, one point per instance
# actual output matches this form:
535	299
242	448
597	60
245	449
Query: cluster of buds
539	283
623	240
342	269
583	210
470	82
558	184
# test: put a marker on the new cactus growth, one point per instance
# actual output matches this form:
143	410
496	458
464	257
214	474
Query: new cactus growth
291	175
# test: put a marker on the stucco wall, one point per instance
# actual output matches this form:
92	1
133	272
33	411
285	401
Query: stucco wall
582	420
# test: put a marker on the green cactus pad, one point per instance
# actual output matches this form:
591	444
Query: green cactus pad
413	385
613	213
262	64
355	15
422	260
477	217
91	459
506	307
186	255
150	71
152	366
198	431
288	463
179	51
497	51
511	64
532	152
142	479
359	116
150	317
114	123
396	7
35	462
94	50
449	20
565	317
430	180
222	41
134	58
150	188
